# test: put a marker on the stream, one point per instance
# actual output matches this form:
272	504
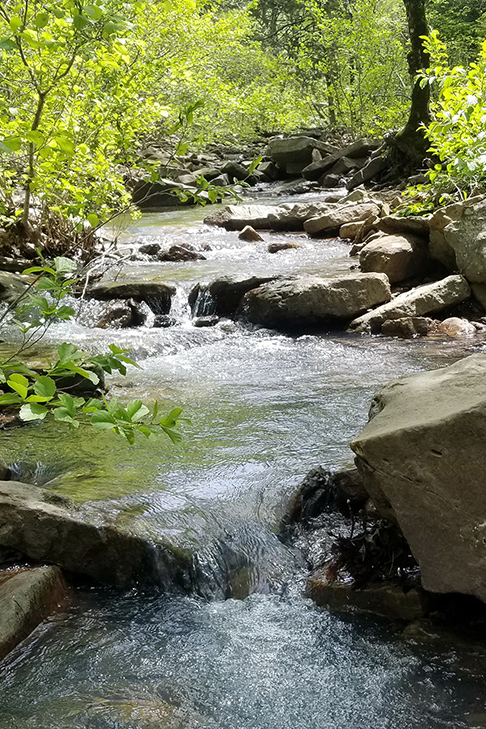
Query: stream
243	649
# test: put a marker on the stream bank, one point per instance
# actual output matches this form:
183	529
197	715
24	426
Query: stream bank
266	408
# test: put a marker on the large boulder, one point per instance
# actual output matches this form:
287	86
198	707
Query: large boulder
394	224
313	301
399	256
439	248
355	151
289	216
420	301
293	154
46	527
372	170
332	220
223	295
467	237
422	460
157	294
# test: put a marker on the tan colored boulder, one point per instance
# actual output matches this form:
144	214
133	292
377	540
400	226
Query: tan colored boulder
456	327
288	216
27	597
312	301
422	460
396	225
420	301
466	235
400	257
408	327
332	221
439	249
351	230
250	234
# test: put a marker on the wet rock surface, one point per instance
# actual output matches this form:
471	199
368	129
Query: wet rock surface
223	295
46	527
27	598
313	301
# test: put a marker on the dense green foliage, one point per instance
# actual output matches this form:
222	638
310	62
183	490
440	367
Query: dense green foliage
461	25
66	388
85	86
457	132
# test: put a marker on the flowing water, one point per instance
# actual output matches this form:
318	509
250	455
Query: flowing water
245	649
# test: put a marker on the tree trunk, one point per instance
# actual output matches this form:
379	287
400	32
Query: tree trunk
411	141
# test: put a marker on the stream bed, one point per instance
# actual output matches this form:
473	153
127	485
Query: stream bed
245	649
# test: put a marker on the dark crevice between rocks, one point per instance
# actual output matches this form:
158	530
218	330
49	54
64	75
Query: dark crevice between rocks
360	562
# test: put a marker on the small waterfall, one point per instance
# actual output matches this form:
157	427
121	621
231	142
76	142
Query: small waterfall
203	304
180	309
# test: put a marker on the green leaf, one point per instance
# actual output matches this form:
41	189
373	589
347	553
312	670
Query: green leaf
41	20
15	23
65	416
39	269
7	44
254	165
92	406
80	22
65	312
174	435
87	374
64	265
93	220
102	416
67	351
137	410
45	387
19	384
9	398
11	144
65	144
33	411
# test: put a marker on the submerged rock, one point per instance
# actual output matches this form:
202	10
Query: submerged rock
282	246
422	300
325	490
46	527
205	321
180	253
456	327
27	597
388	600
121	314
312	301
422	460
